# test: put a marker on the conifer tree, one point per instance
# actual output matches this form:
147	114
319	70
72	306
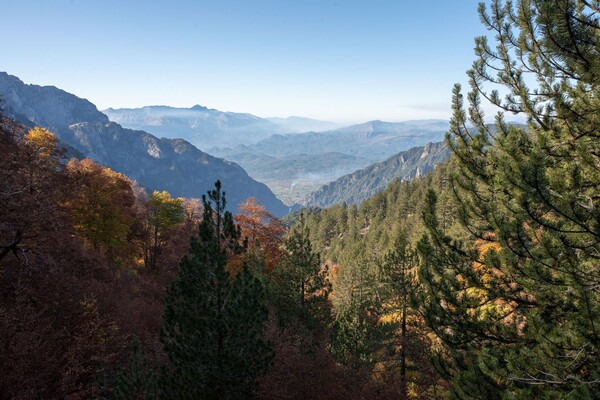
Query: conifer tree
213	324
354	339
137	380
300	283
399	271
517	303
357	337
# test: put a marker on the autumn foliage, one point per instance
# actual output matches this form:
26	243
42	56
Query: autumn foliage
263	231
86	257
101	206
71	292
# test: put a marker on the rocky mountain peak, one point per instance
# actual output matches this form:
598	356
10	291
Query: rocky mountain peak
60	109
174	165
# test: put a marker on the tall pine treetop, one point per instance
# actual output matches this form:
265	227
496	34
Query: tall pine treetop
517	303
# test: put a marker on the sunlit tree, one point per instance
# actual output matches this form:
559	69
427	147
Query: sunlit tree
517	300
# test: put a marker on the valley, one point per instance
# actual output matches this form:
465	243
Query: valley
160	164
159	146
301	200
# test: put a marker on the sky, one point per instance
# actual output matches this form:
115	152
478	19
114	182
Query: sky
342	61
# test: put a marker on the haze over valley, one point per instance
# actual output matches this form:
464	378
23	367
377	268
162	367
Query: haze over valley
292	165
328	200
292	162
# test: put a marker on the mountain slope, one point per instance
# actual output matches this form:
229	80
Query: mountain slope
356	187
326	166
375	140
203	127
158	164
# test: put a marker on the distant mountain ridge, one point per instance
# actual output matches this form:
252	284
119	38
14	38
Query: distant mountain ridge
358	186
292	177
207	127
351	148
201	126
374	140
303	124
159	164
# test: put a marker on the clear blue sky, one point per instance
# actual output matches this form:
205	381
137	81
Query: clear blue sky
346	61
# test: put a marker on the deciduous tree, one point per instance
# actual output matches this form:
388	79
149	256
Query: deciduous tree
102	207
263	230
164	213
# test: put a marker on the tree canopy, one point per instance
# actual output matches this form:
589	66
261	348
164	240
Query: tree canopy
517	302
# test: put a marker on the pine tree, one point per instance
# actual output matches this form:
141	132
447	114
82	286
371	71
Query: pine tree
354	339
358	339
213	324
399	272
137	380
300	284
517	303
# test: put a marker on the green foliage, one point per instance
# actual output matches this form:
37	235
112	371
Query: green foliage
515	300
354	339
137	380
371	229
398	271
300	286
163	214
213	325
165	210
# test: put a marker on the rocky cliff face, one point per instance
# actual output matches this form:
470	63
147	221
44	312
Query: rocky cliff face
158	164
356	187
46	106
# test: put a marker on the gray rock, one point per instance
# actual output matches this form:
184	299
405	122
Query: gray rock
174	165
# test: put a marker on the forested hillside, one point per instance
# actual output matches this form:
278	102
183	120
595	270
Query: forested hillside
494	256
477	280
358	186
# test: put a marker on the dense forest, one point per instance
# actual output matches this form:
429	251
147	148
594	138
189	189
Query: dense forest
479	280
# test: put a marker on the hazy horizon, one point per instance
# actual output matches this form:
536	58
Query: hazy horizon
344	62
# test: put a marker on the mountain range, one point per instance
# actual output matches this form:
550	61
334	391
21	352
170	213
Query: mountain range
174	165
293	156
374	140
201	126
311	168
313	159
206	127
303	124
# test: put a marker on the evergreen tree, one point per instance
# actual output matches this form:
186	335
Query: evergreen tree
300	284
138	380
354	338
517	303
358	339
213	324
399	272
